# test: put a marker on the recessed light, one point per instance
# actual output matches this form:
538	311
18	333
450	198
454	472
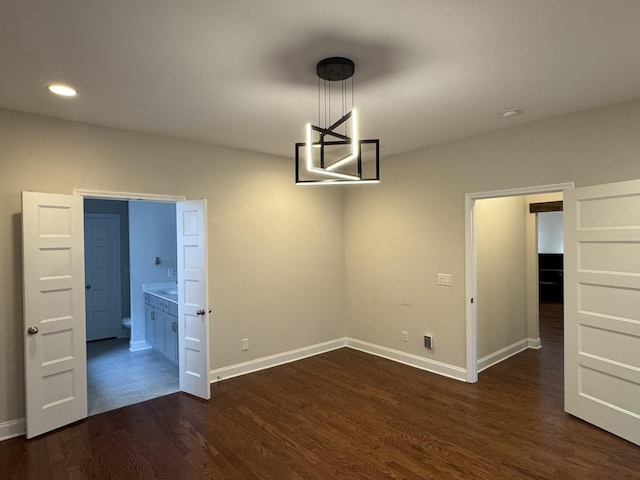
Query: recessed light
510	112
62	90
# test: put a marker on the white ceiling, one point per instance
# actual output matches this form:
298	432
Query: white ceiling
241	73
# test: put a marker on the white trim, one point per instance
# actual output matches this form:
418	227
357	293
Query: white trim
263	363
502	354
139	345
150	197
12	429
416	361
534	343
471	283
514	192
470	264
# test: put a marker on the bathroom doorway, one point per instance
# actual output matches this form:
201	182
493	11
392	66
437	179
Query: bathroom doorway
53	243
122	239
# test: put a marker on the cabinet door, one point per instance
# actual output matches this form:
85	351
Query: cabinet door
171	329
149	331
160	334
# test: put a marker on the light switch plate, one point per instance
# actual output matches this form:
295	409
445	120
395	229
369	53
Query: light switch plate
445	279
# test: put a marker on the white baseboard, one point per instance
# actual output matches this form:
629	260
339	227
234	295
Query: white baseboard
251	366
11	429
534	343
503	354
416	361
139	345
433	366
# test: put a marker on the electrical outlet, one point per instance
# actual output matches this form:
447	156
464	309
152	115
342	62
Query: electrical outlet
405	336
445	279
171	272
428	342
245	344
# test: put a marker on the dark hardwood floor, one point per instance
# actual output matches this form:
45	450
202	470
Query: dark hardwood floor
344	415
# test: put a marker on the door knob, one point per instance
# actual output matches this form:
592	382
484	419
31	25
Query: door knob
32	330
200	312
88	287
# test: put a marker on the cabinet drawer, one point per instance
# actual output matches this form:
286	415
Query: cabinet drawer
153	301
173	309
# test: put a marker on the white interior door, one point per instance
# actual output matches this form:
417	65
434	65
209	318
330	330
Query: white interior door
54	314
102	275
602	306
193	304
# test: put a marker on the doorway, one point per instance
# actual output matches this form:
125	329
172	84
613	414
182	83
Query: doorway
128	244
550	252
529	297
54	303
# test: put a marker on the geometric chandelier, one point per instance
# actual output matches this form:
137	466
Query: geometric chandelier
334	154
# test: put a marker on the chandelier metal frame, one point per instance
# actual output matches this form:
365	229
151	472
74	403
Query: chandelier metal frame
339	158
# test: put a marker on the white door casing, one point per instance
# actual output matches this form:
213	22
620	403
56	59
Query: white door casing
102	275
54	311
471	267
193	304
602	306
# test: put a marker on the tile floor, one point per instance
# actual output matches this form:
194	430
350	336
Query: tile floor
117	377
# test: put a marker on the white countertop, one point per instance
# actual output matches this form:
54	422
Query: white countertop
166	290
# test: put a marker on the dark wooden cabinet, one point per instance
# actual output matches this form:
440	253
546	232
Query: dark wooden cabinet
551	277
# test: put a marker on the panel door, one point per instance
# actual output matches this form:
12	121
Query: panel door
193	310
602	306
102	275
54	311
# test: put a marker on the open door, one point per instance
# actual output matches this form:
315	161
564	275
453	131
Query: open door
54	311
602	306
193	309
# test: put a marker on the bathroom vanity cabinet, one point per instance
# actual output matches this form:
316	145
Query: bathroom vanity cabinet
161	323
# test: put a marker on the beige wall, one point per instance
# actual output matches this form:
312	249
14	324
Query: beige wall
274	248
401	233
500	234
